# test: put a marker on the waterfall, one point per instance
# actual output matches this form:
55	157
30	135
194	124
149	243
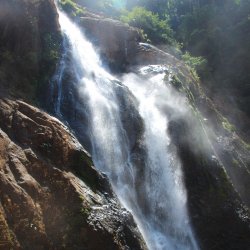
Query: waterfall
154	191
56	81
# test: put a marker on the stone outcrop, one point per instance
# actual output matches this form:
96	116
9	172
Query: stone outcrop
116	41
121	46
51	197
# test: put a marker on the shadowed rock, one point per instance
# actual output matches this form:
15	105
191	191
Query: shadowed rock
50	194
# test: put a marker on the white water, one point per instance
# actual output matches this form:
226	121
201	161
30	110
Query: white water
163	220
57	80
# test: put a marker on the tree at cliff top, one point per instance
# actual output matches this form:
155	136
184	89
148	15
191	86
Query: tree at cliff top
158	30
72	8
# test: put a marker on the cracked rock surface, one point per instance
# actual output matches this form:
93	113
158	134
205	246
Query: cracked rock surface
51	196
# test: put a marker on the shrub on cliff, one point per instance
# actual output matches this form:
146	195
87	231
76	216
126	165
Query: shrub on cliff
158	30
197	64
71	7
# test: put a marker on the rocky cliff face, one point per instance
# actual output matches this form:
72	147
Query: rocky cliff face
117	42
50	194
120	45
29	46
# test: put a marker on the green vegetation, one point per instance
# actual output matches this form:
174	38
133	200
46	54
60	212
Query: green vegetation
72	8
227	125
176	82
47	59
101	6
157	30
82	164
196	63
97	4
46	147
245	145
85	212
215	39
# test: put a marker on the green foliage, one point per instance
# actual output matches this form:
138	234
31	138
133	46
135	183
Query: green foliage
85	212
159	7
104	6
227	125
176	82
97	4
49	56
157	30
46	147
245	145
196	63
237	2
52	47
72	8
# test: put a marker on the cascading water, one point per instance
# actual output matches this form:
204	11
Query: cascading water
57	80
164	190
161	213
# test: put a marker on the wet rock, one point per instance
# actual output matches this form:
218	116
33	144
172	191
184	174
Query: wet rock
116	41
50	194
121	45
213	202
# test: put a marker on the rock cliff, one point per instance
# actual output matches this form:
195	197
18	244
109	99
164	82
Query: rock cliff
50	194
118	42
51	197
29	46
120	45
